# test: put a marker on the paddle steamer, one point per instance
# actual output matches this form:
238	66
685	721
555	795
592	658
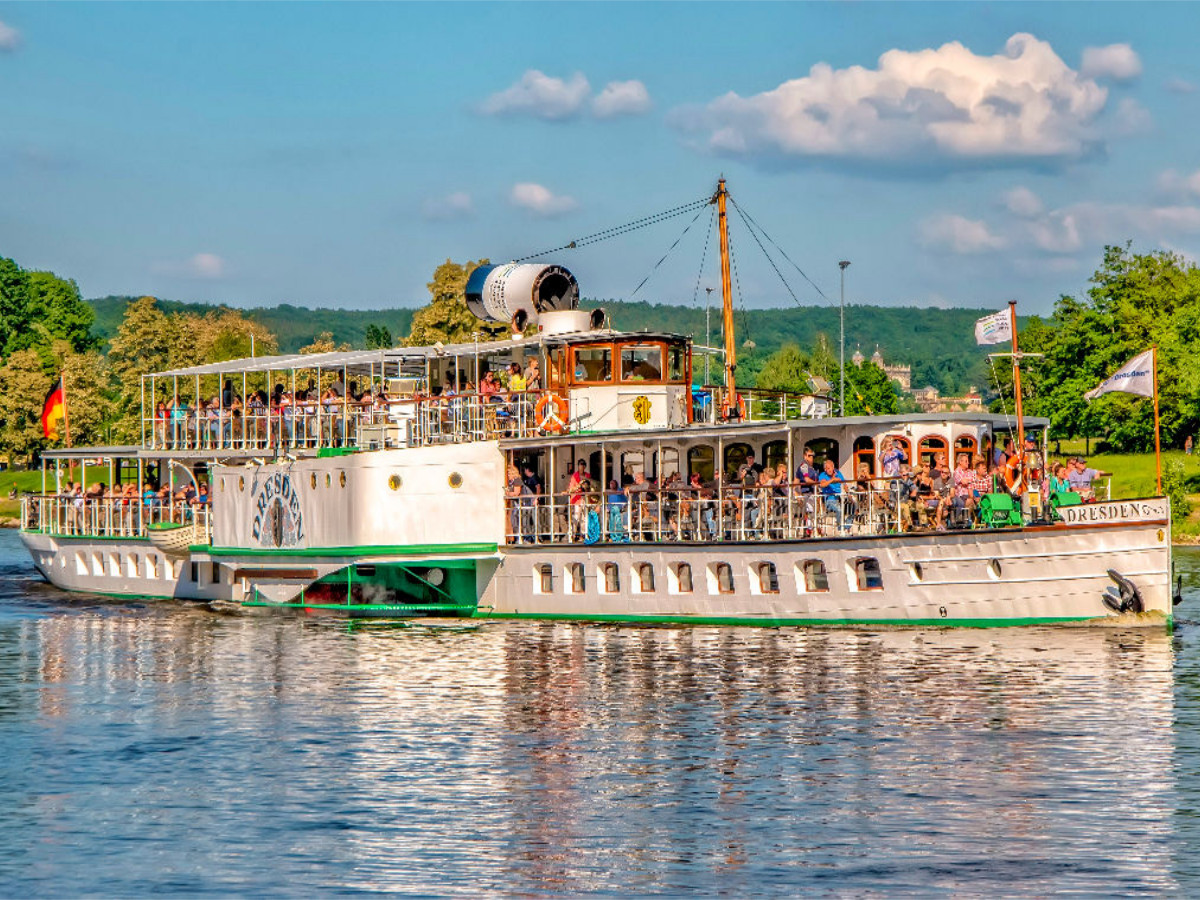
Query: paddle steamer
404	504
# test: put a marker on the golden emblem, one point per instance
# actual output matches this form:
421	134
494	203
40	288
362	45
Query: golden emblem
641	410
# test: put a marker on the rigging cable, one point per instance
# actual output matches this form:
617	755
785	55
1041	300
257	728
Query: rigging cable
668	253
703	256
607	233
1000	391
766	254
780	249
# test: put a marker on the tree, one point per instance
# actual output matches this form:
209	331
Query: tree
323	343
446	317
786	370
24	385
379	337
869	392
55	302
14	305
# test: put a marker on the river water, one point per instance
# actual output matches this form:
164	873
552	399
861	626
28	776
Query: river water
163	749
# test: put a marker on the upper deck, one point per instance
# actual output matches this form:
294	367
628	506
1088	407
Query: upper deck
590	382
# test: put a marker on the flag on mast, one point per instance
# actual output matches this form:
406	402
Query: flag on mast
994	329
54	412
1135	377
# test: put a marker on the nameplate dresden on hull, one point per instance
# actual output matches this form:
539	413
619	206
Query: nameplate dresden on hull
1115	511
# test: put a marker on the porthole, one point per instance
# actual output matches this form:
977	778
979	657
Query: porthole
342	479
994	569
455	480
241	482
312	480
918	574
328	480
394	482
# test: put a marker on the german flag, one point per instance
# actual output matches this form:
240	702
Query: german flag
54	412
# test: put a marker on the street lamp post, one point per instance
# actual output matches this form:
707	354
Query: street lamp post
842	354
707	333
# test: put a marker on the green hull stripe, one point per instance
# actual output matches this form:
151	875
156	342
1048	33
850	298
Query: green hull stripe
366	607
482	549
812	623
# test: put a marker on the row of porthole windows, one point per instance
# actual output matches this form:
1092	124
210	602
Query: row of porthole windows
811	577
455	480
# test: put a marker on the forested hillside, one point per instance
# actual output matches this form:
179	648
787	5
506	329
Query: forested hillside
937	343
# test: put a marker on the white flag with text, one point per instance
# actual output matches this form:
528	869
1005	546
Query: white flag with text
994	329
1135	377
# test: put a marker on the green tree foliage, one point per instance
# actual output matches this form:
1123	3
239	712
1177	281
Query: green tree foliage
24	384
379	337
446	317
869	392
1135	300
38	308
788	369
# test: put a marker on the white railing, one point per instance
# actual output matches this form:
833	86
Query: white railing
688	514
109	517
312	425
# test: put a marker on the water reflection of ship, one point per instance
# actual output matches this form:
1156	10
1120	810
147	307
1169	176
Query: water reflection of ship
937	743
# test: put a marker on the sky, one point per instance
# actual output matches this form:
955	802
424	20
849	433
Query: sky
335	154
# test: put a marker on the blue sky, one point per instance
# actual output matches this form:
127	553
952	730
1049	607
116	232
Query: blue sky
334	154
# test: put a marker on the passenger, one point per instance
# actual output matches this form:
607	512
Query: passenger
1081	478
963	480
579	483
643	520
516	381
1059	481
515	492
749	466
806	484
618	505
891	456
533	375
831	482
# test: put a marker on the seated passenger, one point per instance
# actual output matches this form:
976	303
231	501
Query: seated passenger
830	482
1081	478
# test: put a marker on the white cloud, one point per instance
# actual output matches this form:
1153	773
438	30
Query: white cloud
10	38
621	98
1131	117
540	200
1177	85
936	108
1057	233
541	96
451	207
958	235
1023	202
200	266
1116	61
1171	182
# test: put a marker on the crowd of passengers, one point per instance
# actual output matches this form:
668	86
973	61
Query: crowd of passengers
314	416
99	507
754	501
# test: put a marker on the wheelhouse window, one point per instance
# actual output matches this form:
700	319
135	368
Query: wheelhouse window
867	575
814	577
641	362
677	364
593	364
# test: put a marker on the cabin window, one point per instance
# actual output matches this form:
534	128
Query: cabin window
151	567
641	362
814	577
929	448
577	577
864	452
965	443
768	578
544	578
867	576
775	455
701	459
823	449
194	573
134	563
735	455
593	364
633	462
723	575
216	573
682	577
669	463
612	578
645	578
677	364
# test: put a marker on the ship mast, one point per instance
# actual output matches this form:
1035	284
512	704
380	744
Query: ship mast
727	304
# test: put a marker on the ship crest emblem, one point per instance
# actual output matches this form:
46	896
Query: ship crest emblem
641	410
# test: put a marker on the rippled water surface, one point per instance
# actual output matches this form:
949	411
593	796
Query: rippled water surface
164	749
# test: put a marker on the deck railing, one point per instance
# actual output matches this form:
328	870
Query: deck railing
372	425
109	517
688	514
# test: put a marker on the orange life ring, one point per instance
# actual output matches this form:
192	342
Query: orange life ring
551	413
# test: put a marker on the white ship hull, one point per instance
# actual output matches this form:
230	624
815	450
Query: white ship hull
976	578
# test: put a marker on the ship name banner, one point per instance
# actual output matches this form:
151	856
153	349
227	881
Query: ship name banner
1115	511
